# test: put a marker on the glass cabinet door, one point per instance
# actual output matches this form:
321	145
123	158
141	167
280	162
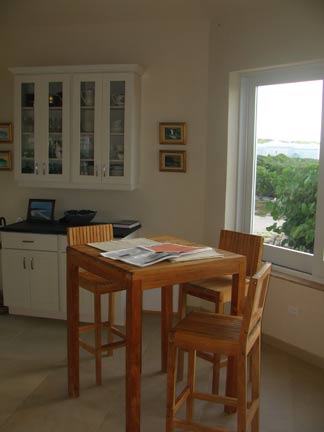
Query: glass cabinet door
87	128
55	128
27	139
117	128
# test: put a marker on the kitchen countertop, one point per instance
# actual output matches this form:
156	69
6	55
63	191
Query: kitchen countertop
58	228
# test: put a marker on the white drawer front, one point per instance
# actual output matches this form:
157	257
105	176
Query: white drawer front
29	241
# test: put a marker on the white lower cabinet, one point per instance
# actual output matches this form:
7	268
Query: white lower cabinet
30	281
34	278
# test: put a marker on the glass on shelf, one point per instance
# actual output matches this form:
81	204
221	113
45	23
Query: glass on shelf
55	148
116	169
27	121
55	167
116	148
87	121
117	94
27	166
87	94
55	121
86	147
87	167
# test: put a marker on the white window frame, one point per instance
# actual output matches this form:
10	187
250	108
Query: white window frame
312	265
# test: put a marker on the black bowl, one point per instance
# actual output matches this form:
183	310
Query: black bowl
79	217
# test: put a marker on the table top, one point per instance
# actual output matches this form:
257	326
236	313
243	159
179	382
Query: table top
162	273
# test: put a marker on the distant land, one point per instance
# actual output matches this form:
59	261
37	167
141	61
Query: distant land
297	149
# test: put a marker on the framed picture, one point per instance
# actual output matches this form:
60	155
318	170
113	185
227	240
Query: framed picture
5	161
40	210
5	132
173	161
173	133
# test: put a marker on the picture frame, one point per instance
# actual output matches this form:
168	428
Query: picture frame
5	132
173	160
173	133
40	210
5	161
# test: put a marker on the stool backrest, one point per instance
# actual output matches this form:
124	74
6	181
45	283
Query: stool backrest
89	234
249	245
254	304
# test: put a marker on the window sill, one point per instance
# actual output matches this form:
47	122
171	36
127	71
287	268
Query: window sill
297	277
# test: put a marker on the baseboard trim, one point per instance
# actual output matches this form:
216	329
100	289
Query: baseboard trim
293	350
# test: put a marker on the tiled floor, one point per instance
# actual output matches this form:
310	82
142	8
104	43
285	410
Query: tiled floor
33	385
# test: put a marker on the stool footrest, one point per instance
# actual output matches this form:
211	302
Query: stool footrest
193	427
102	348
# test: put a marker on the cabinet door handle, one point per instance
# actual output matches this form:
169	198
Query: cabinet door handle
24	263
36	168
28	241
32	263
44	168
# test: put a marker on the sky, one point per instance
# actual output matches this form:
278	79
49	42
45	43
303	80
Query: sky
290	112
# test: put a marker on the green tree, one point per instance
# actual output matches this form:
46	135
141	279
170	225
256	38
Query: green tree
295	203
269	169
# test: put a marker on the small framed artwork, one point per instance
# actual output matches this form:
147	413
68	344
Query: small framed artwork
5	161
5	132
173	161
173	133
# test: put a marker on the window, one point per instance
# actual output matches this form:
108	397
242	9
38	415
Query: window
281	164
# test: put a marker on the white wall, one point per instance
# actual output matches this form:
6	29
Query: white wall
174	54
273	33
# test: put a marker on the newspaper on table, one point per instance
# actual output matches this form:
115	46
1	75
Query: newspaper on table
143	252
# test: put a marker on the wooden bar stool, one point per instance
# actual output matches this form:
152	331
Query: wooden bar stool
218	290
233	336
98	286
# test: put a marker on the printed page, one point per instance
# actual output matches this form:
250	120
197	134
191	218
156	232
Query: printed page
115	245
138	256
178	248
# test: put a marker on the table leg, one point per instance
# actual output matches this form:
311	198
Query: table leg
133	355
237	301
72	291
166	323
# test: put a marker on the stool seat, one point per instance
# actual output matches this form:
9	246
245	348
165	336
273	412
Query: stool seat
96	284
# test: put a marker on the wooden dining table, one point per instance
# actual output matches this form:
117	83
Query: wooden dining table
135	280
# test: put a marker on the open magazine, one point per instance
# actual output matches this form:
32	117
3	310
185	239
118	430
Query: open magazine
143	255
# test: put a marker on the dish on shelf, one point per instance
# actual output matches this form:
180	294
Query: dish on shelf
76	217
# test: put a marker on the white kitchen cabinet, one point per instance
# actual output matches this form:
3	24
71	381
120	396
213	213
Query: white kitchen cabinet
77	126
29	275
105	130
42	128
34	278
